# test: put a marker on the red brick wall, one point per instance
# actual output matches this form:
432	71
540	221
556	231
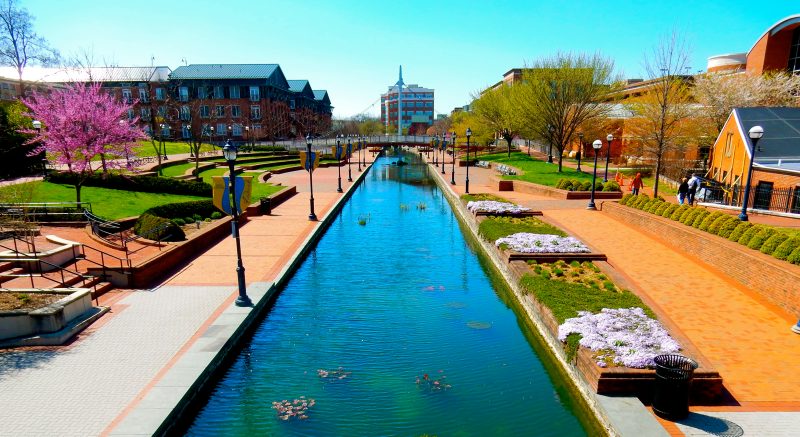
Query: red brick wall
771	52
773	279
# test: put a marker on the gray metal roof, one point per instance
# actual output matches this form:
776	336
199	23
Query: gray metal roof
297	85
321	94
225	71
781	138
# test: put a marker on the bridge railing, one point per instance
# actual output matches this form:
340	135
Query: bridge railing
326	143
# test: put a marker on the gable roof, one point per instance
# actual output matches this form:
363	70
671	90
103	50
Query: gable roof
96	74
271	73
781	131
302	87
322	96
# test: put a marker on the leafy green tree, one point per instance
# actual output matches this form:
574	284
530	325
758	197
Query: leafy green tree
495	109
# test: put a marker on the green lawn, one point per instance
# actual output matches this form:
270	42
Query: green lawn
539	172
107	203
145	148
493	228
483	196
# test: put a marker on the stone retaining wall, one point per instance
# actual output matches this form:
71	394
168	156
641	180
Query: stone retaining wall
775	280
543	190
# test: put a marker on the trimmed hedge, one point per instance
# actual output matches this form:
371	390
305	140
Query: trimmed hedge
610	186
661	208
204	208
740	229
700	217
773	242
785	249
711	218
760	238
146	184
671	208
748	234
625	199
794	257
679	212
147	222
727	225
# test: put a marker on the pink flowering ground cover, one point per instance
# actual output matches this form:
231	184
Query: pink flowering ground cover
623	337
542	243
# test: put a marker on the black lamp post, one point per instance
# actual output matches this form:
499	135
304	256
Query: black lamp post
339	161
444	148
580	150
435	150
453	173
349	154
756	132
466	185
358	160
596	145
311	215
364	156
229	152
210	136
247	134
528	143
609	138
550	131
38	126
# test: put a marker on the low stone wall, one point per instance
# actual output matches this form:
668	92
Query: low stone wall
275	200
48	319
775	280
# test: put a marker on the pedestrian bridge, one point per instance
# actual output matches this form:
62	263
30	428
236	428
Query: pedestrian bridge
372	141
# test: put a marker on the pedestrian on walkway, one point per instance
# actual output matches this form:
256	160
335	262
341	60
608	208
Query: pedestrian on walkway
636	184
694	185
683	191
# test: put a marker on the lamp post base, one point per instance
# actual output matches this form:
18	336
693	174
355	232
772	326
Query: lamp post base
312	217
591	206
743	217
243	301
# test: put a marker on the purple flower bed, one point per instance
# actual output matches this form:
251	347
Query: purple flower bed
495	207
542	243
625	336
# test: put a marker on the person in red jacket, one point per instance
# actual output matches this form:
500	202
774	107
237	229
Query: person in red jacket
636	184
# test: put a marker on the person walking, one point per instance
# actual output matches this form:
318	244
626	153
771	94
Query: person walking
636	184
694	185
683	191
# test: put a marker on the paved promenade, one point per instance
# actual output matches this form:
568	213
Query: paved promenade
746	338
92	385
89	386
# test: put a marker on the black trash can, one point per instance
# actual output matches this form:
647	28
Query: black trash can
265	206
671	389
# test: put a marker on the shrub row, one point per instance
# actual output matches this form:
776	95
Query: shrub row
147	184
576	185
766	239
176	215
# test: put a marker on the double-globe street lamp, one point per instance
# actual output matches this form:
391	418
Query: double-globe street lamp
358	160
349	154
444	149
338	156
310	164
229	153
596	145
609	138
580	151
435	144
453	172
466	184
755	133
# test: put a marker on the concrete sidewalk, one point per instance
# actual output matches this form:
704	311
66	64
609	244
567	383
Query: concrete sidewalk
746	338
89	386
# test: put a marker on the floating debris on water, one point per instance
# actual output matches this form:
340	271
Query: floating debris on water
479	325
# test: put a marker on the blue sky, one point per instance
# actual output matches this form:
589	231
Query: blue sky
353	48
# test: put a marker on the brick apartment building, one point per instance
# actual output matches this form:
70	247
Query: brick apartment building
208	102
417	109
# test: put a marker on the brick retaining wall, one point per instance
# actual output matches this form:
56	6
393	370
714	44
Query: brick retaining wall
775	280
543	190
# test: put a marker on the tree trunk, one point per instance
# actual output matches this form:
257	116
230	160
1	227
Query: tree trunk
658	173
103	162
78	191
560	158
508	140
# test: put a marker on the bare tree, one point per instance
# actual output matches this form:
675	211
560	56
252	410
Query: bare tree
662	112
558	94
19	44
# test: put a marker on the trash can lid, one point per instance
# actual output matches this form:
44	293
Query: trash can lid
675	361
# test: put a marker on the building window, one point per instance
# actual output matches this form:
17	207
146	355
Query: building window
144	114
794	53
183	94
162	111
237	130
202	92
219	111
222	129
219	92
255	94
165	130
729	145
131	114
236	111
126	96
204	111
185	115
144	97
160	94
291	104
186	132
234	91
255	112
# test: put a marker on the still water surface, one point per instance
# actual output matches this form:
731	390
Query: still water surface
390	302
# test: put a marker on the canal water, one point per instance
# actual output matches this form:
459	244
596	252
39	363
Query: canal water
394	304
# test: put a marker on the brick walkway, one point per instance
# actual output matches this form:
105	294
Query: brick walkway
86	387
747	339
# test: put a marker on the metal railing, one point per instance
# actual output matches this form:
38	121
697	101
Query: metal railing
763	197
46	211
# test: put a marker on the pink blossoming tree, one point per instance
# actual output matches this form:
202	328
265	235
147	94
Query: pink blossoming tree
81	123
